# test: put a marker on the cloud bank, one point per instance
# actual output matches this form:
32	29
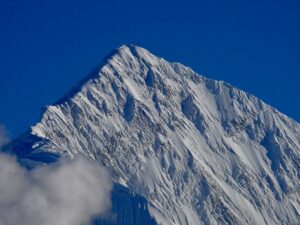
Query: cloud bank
70	192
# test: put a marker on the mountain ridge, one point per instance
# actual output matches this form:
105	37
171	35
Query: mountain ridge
95	72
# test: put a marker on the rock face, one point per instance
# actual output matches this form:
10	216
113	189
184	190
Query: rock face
199	151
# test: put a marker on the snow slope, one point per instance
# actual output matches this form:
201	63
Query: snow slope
198	150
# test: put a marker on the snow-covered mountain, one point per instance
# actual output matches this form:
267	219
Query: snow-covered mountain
196	151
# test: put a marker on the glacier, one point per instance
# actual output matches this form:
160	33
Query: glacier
183	149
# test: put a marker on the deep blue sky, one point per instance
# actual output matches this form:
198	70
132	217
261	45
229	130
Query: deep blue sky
47	46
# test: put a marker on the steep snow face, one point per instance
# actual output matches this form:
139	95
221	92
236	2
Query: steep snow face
200	151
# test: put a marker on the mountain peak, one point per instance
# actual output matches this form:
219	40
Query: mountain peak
120	57
134	49
128	52
200	151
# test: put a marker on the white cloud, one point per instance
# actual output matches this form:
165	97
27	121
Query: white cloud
70	192
4	138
